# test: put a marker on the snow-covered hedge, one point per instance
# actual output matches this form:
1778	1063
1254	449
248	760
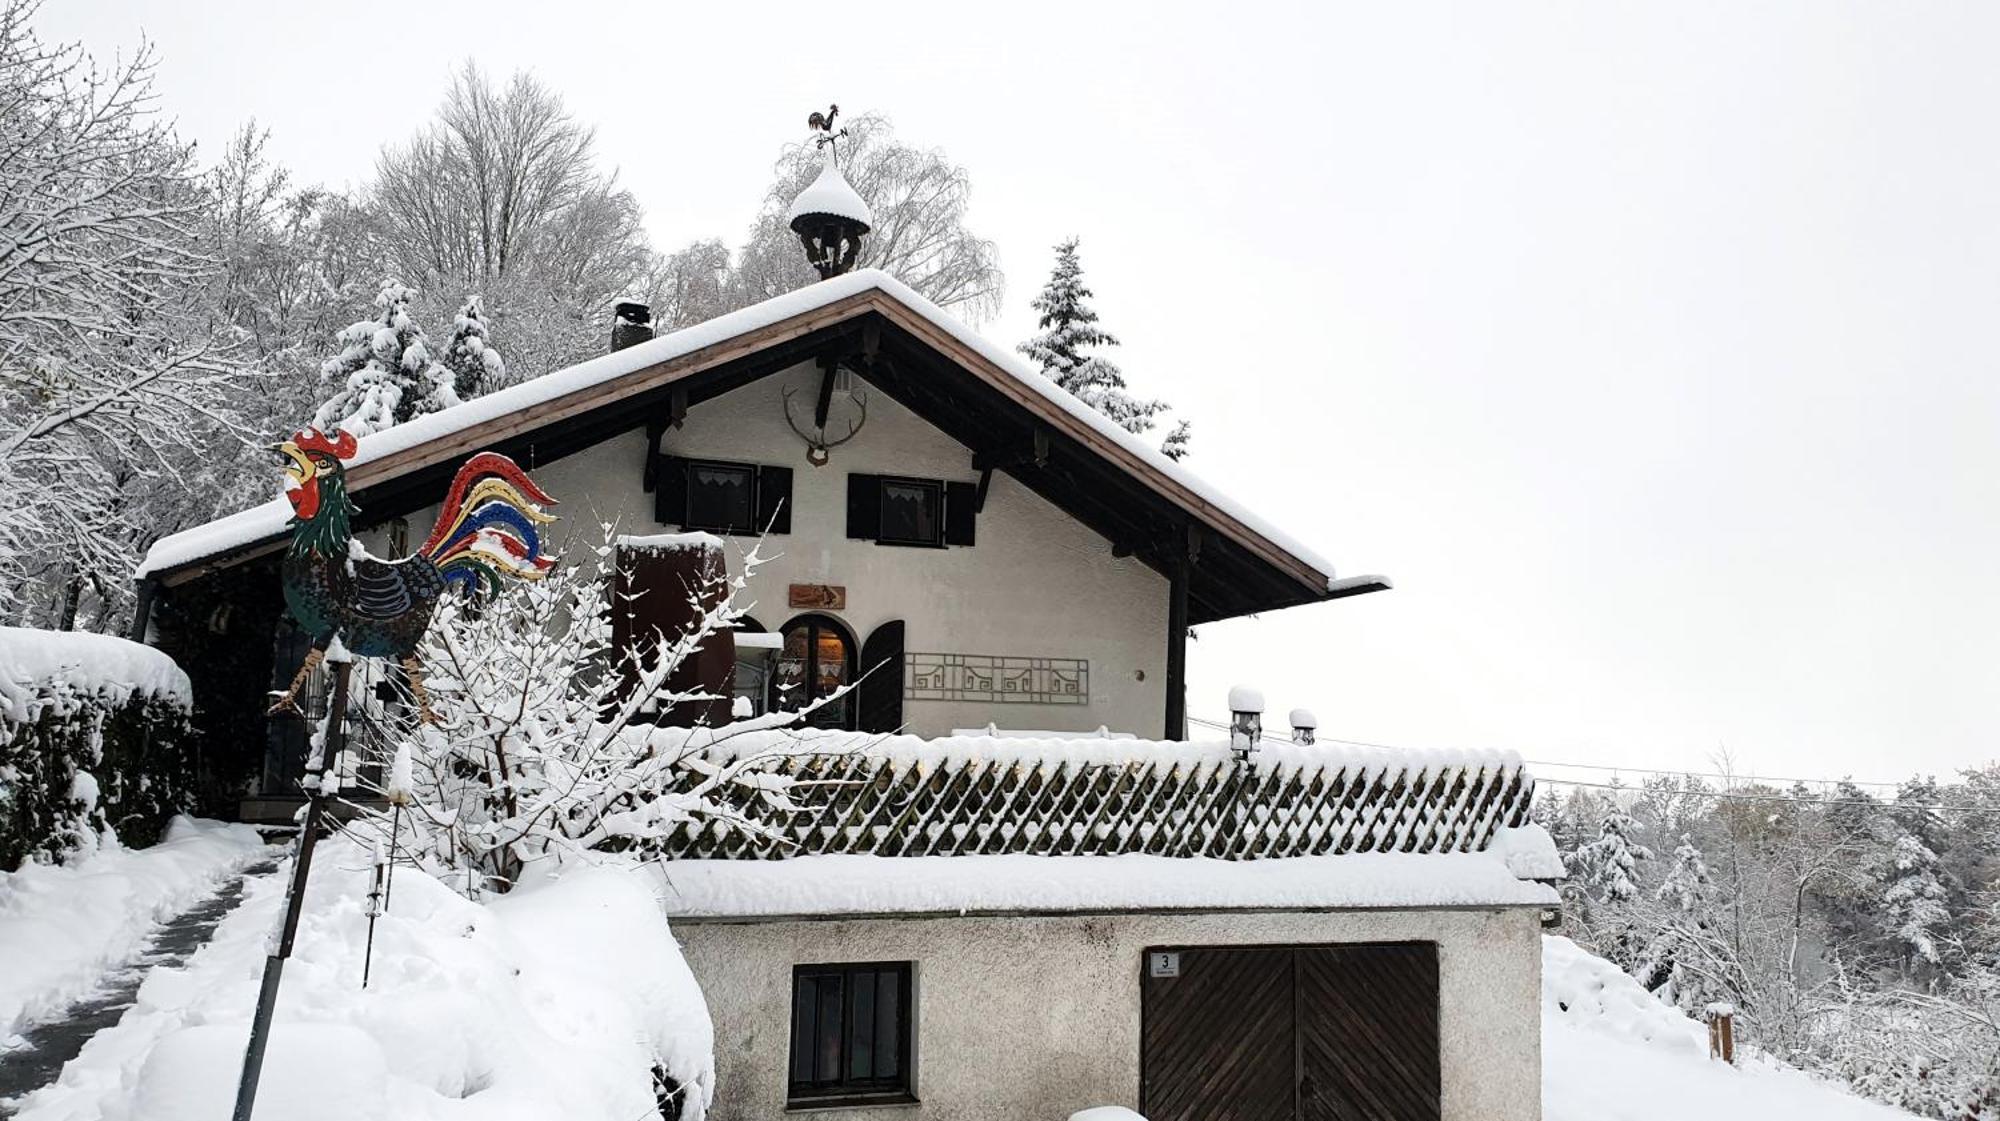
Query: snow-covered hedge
94	736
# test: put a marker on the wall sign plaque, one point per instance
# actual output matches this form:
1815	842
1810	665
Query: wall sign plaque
818	597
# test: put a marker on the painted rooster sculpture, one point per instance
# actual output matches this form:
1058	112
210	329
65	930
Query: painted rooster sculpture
486	530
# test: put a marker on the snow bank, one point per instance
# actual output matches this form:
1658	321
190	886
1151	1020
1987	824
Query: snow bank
63	926
267	522
551	1004
97	665
1611	1051
875	885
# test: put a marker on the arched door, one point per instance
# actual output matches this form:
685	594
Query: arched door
815	661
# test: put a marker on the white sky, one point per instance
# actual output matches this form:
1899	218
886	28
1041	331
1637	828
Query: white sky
1650	349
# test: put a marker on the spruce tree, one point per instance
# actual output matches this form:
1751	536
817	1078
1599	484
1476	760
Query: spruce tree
474	362
1069	333
1913	903
1608	866
384	371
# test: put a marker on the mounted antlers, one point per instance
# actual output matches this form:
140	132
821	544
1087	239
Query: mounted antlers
818	446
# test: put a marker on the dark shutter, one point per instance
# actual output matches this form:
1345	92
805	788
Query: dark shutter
774	500
658	594
961	501
880	672
864	506
670	491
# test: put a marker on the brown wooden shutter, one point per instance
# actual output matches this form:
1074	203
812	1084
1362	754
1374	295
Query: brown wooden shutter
655	593
670	491
961	501
864	506
774	500
879	706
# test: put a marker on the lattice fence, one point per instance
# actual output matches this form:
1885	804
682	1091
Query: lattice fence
884	806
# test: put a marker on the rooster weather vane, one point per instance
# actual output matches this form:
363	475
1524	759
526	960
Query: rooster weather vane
487	529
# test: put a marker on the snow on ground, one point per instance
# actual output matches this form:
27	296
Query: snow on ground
64	926
1611	1051
553	1003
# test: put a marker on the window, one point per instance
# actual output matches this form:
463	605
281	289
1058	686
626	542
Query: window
722	497
817	658
851	1033
928	513
735	498
912	512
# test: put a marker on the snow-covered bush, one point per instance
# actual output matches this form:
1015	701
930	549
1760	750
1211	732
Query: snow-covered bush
93	739
546	744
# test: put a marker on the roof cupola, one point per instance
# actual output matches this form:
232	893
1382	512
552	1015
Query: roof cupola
829	217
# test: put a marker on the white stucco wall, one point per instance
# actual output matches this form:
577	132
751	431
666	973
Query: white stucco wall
1031	1018
1037	583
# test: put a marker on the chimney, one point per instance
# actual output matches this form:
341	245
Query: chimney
631	323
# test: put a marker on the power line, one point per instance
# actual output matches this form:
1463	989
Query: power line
1718	794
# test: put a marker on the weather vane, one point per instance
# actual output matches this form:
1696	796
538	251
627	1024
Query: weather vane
822	123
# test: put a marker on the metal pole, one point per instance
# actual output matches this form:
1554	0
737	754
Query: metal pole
327	757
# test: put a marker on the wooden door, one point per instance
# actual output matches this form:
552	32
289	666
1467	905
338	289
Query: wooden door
1217	1038
1307	1033
1368	1032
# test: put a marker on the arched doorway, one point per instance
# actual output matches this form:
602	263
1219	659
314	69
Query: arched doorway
816	659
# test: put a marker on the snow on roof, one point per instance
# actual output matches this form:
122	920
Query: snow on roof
268	521
905	796
875	885
97	664
831	194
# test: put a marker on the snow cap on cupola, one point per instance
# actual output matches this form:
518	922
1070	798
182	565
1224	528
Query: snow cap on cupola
829	216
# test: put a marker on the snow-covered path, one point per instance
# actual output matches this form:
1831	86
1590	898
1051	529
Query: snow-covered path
42	1050
65	927
1612	1052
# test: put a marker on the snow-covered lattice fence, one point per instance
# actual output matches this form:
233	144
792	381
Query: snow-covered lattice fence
93	735
903	796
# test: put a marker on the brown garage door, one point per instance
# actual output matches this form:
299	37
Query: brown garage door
1305	1033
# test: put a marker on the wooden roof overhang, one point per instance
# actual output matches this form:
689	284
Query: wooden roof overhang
1232	569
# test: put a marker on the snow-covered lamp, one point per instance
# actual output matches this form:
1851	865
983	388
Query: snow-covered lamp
1305	725
829	217
1246	720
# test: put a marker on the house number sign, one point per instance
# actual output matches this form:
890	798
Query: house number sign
1163	963
818	597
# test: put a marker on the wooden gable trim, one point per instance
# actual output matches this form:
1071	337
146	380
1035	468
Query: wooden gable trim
1059	418
661	375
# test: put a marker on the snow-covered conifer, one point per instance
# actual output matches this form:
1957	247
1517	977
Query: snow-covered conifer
1608	866
1063	350
384	370
1913	901
474	362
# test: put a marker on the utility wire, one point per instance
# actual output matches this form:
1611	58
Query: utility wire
1722	795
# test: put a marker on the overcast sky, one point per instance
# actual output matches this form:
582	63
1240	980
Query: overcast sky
1649	349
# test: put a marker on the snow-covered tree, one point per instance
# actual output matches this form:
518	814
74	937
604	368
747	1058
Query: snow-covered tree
1687	961
1913	902
543	750
384	371
1065	352
1608	866
109	369
473	360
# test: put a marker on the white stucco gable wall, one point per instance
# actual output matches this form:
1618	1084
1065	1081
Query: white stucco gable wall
1038	583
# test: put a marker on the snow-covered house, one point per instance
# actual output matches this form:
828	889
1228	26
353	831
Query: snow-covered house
976	925
934	507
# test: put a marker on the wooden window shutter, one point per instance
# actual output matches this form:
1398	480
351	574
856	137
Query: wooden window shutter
670	491
961	503
879	704
774	500
864	506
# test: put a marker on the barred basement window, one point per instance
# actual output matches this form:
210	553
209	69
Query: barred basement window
850	1034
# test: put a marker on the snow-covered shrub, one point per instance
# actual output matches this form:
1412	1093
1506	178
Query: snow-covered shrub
93	739
546	744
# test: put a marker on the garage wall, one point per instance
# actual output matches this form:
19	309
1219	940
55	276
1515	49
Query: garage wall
1031	1018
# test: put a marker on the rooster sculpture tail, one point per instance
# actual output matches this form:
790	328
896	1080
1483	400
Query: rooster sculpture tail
488	526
